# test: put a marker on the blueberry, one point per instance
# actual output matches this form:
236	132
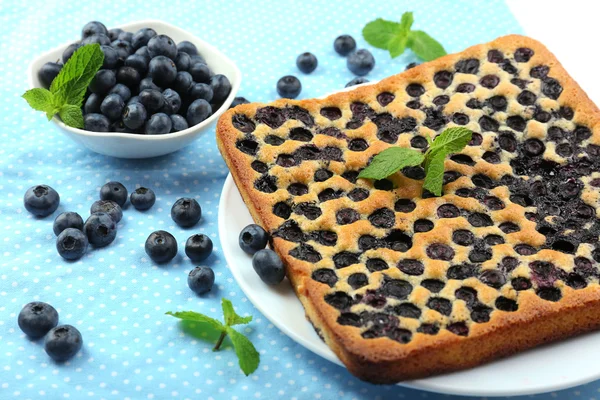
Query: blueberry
237	101
197	58
289	87
97	38
221	88
158	124
48	72
178	123
123	48
344	45
141	37
112	106
119	127
306	62
161	246
111	57
134	115
92	28
172	101
126	36
253	238
103	81
187	47
147	83
100	229
198	111
139	62
41	200
183	81
129	76
162	45
361	62
357	81
142	198
186	212
92	104
114	33
121	90
63	342
198	247
96	123
68	53
114	191
162	70
201	280
200	72
37	318
66	220
268	266
109	207
200	91
410	65
71	244
152	99
134	99
183	61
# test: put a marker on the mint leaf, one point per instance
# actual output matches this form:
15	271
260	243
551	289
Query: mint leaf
74	78
406	21
197	317
380	32
71	115
453	139
230	316
397	45
247	355
424	46
39	99
389	161
434	171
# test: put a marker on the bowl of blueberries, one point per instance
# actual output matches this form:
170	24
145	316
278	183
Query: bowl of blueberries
158	89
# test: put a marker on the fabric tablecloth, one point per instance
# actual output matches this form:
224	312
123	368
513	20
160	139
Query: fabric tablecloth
116	296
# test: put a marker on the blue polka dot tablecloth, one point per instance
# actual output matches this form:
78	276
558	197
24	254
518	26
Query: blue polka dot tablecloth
116	296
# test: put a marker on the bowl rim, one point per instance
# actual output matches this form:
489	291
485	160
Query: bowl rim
152	23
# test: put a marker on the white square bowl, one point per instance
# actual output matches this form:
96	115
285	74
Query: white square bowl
127	145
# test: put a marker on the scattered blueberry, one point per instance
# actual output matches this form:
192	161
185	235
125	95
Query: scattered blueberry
201	280
114	191
361	62
159	124
289	87
41	200
96	123
178	123
92	104
198	111
103	81
198	247
63	342
187	47
142	198
66	220
100	229
141	37
186	212
162	45
344	45
48	72
37	318
268	266
109	207
68	53
357	81
161	246
306	62
411	65
237	101
172	101
162	70
152	99
121	90
71	244
112	106
253	238
134	115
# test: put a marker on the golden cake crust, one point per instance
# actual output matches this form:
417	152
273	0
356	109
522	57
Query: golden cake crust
381	359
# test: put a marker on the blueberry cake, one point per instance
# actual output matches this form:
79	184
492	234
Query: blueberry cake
402	284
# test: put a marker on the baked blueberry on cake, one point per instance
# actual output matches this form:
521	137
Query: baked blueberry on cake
402	284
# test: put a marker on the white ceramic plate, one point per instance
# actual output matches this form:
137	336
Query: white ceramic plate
548	368
127	145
